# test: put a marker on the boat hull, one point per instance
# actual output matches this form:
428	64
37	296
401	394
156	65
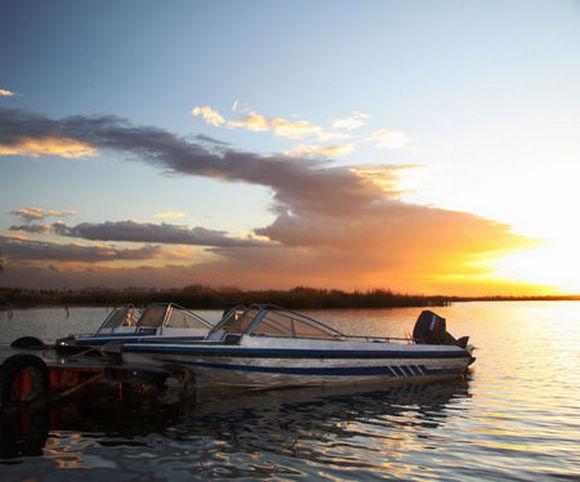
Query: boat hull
268	370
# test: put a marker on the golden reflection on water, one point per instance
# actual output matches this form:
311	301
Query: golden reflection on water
66	450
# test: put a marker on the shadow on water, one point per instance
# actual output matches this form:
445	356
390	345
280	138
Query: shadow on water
290	422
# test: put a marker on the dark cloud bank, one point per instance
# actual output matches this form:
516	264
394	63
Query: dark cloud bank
19	249
132	231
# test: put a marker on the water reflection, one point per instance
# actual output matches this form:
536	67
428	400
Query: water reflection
232	433
516	418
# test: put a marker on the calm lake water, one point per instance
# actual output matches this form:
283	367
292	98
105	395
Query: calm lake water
515	417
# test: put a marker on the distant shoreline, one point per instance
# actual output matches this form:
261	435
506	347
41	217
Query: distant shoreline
203	297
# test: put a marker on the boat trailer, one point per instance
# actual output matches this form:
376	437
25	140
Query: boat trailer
33	373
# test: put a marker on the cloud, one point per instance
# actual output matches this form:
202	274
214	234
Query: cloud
253	122
319	151
32	228
35	214
171	215
303	129
211	140
355	121
49	146
385	139
36	136
135	232
279	126
294	129
19	249
29	214
381	177
335	226
295	182
209	115
6	93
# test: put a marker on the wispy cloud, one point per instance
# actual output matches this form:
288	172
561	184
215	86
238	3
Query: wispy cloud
278	125
48	146
385	139
22	230
341	129
135	232
252	122
19	249
211	140
6	93
171	215
35	214
353	122
209	115
319	150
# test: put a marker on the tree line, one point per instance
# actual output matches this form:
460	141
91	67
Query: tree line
205	297
198	296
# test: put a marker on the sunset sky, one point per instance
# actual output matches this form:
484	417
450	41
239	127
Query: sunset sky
423	146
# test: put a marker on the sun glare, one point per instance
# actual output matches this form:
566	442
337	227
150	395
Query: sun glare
551	264
532	208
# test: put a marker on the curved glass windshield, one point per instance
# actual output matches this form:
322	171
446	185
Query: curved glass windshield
290	324
123	316
172	316
238	319
270	320
153	316
181	318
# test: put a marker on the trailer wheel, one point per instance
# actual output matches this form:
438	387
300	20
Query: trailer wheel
24	379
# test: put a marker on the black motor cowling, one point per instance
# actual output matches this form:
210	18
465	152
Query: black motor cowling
431	329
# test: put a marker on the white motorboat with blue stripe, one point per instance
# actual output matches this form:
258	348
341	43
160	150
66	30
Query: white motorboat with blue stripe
158	321
269	346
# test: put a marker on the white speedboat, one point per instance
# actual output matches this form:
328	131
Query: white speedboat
268	346
158	321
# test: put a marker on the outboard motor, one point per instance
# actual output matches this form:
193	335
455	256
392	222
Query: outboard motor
430	329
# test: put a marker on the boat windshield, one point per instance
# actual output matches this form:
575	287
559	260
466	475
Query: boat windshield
274	321
171	315
179	317
122	316
237	319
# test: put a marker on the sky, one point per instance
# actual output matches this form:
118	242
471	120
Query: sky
421	146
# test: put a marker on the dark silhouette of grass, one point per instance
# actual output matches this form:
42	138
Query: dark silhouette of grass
198	296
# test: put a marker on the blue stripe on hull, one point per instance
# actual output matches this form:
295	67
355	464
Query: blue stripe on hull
293	353
392	371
